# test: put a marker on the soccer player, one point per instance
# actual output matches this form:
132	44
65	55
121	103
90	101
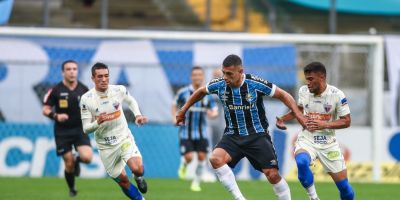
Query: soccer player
326	109
193	135
246	133
61	104
101	110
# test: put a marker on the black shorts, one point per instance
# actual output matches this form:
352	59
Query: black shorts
187	146
68	137
257	148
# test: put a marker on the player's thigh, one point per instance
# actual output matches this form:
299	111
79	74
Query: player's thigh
302	146
186	146
227	151
112	162
261	153
332	159
68	158
85	153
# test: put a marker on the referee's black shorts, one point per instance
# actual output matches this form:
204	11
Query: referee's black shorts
66	138
257	148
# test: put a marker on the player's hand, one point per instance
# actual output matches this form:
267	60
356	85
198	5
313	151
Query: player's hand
314	125
280	124
61	117
140	120
180	118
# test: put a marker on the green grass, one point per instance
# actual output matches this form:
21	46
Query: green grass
169	189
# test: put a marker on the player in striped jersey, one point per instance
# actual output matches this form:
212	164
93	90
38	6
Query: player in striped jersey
193	135
327	109
246	133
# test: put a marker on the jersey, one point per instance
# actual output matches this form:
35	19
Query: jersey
195	127
243	106
115	129
328	106
66	101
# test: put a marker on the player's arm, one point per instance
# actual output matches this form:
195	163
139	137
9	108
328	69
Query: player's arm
174	111
342	122
212	112
89	123
134	107
196	96
288	100
280	121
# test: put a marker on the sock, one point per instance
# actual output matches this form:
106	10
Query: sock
305	175
227	178
199	171
132	192
70	178
282	190
312	192
346	192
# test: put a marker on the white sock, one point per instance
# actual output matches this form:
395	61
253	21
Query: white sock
199	171
282	190
227	178
312	192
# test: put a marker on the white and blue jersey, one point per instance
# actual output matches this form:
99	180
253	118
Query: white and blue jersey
195	127
243	106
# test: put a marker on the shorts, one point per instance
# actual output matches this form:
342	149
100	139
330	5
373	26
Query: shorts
331	158
68	137
187	146
114	159
257	148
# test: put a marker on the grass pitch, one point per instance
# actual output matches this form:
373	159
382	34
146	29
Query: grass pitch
171	189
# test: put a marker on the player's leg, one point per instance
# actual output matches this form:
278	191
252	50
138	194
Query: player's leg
64	149
136	165
201	147
260	151
186	148
127	187
304	173
85	152
342	183
219	159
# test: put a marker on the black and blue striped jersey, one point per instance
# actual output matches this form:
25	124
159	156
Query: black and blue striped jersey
195	125
243	106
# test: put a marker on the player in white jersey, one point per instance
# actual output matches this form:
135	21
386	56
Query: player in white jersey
326	109
101	111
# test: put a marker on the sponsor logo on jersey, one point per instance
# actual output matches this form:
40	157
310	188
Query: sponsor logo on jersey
344	101
84	107
240	107
319	116
63	103
112	116
104	102
64	94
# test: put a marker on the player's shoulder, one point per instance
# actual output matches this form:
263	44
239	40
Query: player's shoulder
304	89
117	88
254	78
87	96
216	80
334	90
184	89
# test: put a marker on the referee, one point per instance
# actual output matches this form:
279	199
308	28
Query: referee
61	104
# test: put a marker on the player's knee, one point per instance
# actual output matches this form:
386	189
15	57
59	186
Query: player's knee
69	165
86	158
138	170
123	181
216	161
303	160
272	175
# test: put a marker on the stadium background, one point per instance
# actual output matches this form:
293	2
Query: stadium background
153	70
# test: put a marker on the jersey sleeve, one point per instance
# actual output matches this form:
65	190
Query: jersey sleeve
132	103
213	86
84	107
50	98
179	99
265	87
342	105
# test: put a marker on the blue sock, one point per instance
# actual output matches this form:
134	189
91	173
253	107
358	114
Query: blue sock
132	192
305	175
346	192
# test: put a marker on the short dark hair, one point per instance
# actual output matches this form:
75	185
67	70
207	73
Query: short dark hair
97	66
196	68
67	61
315	67
232	60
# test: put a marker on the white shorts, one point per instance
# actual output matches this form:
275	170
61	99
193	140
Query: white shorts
331	158
114	159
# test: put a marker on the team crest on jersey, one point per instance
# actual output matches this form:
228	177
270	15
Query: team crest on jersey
327	107
116	105
249	97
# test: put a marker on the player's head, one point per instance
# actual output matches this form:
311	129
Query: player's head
197	76
315	74
100	76
69	70
232	70
217	73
